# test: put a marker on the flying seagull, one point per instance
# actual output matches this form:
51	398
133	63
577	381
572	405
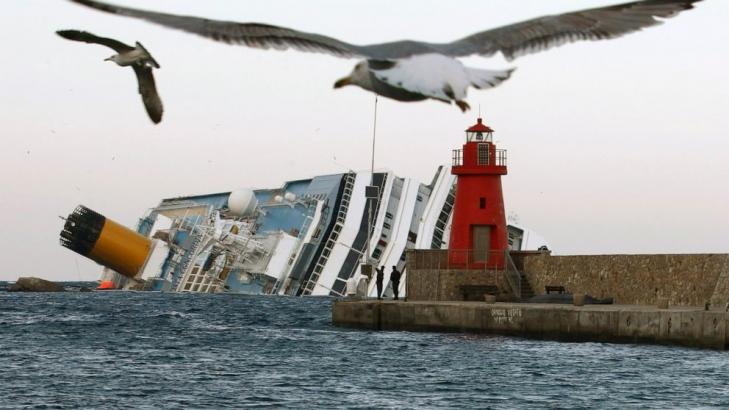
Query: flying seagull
410	70
136	57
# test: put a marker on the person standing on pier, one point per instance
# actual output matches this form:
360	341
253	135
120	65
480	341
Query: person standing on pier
378	281
395	279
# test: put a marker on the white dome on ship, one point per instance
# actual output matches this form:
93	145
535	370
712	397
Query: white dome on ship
242	202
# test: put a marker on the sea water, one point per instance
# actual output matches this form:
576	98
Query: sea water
151	350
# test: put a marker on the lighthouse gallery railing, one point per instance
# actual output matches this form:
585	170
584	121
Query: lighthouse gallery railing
499	158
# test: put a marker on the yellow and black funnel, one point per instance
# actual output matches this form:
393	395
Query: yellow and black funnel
106	242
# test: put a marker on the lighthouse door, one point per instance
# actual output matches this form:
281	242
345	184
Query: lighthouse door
481	240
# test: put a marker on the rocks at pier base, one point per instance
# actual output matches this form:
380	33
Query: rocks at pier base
35	285
137	285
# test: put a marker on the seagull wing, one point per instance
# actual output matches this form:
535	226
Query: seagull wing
250	34
148	91
542	33
87	37
512	41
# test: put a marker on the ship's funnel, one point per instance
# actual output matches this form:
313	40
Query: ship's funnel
105	241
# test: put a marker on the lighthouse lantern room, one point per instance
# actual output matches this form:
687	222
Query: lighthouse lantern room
478	234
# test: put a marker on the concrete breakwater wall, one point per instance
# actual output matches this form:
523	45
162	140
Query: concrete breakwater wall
601	323
685	280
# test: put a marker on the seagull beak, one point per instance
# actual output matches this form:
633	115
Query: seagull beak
342	82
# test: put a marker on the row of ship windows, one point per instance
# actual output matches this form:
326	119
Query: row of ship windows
332	239
388	215
440	225
199	282
337	228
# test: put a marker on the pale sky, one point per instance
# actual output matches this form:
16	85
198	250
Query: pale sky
614	147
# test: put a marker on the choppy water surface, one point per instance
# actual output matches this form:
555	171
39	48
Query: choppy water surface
137	350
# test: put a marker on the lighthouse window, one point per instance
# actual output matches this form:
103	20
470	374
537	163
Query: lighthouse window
482	203
483	154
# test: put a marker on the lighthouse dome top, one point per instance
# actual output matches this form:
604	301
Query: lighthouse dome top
479	132
480	127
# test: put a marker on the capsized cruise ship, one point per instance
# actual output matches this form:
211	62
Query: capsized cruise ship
308	237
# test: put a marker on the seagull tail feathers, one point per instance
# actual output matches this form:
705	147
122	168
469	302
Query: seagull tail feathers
482	79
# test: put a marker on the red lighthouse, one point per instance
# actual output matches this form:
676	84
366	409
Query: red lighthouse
478	233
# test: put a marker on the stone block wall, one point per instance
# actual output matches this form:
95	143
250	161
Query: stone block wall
445	284
685	280
720	297
426	284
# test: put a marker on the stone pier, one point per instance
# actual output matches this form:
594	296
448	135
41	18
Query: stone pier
687	326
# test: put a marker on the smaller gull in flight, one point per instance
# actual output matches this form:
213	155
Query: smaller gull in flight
137	57
410	70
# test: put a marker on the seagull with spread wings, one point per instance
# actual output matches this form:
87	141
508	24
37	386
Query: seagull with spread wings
136	57
410	70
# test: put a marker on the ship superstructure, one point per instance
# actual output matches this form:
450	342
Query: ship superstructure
308	237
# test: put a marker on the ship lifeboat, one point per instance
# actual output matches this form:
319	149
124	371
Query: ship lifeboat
106	285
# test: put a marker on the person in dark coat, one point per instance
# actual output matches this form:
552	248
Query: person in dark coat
378	281
395	279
